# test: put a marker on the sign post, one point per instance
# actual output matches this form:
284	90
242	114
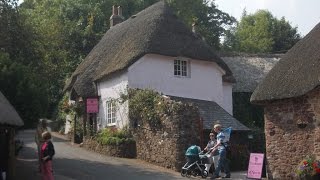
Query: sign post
255	165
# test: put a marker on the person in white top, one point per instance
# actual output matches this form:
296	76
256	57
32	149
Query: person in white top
210	145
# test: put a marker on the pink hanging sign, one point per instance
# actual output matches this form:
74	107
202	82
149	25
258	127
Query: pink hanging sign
255	165
92	105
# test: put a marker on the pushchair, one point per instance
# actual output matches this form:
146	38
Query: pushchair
196	161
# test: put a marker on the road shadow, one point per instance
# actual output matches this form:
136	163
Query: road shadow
79	169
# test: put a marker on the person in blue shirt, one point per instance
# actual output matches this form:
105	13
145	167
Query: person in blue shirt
220	149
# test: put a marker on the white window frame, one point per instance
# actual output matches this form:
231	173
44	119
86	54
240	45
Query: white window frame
181	68
111	118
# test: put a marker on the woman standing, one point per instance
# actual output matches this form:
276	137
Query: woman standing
210	145
47	152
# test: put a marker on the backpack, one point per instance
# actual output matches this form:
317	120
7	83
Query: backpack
226	144
227	134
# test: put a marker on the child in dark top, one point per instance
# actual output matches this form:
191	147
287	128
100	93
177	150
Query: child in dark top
47	152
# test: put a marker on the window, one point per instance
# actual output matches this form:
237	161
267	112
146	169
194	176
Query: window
111	112
181	68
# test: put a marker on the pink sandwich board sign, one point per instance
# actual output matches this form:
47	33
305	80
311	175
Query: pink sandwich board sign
92	105
255	166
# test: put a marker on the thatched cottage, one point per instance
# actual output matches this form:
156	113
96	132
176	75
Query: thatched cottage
248	70
9	121
153	50
290	94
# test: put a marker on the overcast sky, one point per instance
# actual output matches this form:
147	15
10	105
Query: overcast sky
304	14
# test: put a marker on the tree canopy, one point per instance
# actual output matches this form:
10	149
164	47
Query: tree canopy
261	32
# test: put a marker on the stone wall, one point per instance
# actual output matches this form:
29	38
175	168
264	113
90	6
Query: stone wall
125	150
292	132
165	146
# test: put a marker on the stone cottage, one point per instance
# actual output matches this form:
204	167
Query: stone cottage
290	95
9	121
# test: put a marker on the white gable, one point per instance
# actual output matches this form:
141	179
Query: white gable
204	80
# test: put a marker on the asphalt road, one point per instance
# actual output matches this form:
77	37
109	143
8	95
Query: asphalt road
72	162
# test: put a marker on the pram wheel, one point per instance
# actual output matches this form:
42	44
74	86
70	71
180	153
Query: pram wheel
188	174
183	172
204	174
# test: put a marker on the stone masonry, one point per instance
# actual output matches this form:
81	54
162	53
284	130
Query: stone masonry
166	146
292	132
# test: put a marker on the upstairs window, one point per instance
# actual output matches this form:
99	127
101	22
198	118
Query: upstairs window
111	112
181	68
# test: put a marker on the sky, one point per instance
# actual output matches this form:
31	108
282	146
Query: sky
304	14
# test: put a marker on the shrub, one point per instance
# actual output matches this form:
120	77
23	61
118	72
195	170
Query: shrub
110	136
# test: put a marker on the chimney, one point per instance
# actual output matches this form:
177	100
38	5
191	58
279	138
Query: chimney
116	16
120	11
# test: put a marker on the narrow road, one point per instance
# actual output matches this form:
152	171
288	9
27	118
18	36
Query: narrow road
74	163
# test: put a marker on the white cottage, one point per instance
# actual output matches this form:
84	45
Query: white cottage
154	50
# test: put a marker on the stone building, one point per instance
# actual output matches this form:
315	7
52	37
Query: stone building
290	94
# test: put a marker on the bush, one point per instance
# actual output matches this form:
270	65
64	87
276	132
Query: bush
113	137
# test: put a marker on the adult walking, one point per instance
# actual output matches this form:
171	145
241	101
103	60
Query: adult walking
220	149
41	128
209	146
47	153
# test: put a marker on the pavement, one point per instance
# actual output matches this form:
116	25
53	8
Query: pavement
72	162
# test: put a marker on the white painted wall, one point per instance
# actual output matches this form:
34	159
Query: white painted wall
108	89
227	97
205	81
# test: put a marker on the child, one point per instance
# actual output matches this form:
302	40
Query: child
47	152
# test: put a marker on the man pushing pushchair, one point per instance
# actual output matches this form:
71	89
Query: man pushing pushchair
220	150
199	163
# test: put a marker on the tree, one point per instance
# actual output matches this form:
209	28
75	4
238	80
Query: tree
63	32
261	32
19	78
212	22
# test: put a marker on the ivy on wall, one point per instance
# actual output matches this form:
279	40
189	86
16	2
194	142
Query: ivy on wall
148	107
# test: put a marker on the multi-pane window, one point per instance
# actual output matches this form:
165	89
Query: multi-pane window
180	68
111	112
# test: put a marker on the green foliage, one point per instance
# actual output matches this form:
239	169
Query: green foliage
23	89
212	23
45	40
110	136
146	106
261	32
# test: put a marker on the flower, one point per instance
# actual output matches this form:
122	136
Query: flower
310	166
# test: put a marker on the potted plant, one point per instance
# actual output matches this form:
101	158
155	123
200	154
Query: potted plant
309	169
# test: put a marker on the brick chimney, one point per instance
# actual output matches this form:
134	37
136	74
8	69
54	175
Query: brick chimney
116	16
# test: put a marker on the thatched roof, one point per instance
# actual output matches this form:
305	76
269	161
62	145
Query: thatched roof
155	30
212	113
250	69
297	73
8	115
